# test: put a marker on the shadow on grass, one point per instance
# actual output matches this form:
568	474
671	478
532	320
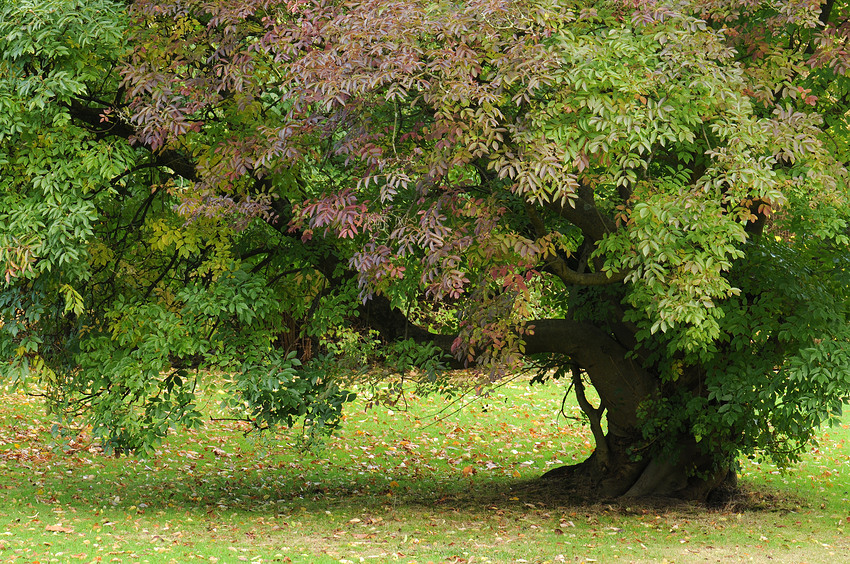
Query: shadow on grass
136	485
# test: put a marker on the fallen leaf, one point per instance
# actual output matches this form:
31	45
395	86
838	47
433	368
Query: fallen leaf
58	528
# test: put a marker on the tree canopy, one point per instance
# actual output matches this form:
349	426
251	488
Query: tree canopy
642	196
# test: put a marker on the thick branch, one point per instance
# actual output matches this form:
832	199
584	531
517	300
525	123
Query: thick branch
558	265
170	158
826	11
620	381
572	278
755	227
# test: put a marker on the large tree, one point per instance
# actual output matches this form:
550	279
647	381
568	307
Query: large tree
645	197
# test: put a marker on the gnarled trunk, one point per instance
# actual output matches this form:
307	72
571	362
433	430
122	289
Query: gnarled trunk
619	467
623	464
619	475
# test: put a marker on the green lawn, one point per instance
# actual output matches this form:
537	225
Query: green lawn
420	485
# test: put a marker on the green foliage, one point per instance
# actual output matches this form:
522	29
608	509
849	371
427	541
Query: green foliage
113	305
677	251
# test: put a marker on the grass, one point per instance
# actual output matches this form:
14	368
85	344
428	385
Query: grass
419	485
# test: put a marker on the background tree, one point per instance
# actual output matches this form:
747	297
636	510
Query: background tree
649	197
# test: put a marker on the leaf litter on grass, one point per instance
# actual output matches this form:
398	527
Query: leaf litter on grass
404	485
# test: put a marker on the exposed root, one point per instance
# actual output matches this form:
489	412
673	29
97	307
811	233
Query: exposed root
584	483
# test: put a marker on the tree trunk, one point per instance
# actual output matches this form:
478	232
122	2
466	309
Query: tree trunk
623	464
619	467
621	476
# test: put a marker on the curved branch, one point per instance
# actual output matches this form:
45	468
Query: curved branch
594	417
571	277
170	158
558	265
622	382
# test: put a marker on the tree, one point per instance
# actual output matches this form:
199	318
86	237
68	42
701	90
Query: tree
648	198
